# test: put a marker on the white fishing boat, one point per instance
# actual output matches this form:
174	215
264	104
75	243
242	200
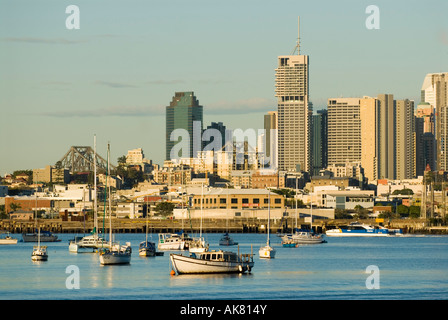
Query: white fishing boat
304	237
90	242
39	252
212	262
8	239
174	241
116	253
267	251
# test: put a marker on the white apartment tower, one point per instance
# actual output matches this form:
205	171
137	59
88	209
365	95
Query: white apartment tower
294	111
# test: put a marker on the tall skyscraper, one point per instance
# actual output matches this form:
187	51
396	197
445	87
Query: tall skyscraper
182	112
344	130
271	137
435	92
404	139
320	143
294	111
386	122
369	114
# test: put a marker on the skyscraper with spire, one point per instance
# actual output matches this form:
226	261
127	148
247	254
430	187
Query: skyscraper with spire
294	110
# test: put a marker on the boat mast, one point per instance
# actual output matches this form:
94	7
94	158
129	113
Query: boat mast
269	214
110	199
95	208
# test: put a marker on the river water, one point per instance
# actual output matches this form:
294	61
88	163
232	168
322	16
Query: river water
404	268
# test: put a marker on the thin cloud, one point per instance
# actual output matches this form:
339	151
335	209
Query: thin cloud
42	40
165	82
115	84
127	111
243	106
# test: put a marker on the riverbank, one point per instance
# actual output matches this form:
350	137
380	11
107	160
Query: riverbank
253	225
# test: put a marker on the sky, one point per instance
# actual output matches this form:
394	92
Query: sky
114	75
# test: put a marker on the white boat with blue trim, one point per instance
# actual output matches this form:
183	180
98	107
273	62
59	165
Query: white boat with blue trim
356	229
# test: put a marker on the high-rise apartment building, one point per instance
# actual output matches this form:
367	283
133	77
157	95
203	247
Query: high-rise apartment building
294	111
435	92
404	139
271	137
386	125
344	130
320	145
369	108
185	113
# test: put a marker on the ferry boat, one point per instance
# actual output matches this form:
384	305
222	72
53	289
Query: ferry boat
212	262
356	229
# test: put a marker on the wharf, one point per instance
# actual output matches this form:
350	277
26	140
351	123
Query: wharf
252	225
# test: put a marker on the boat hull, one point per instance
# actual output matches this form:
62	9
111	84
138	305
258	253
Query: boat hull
356	234
111	258
43	237
267	252
189	265
39	254
8	241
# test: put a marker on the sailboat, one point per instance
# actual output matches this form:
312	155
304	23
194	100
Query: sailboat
267	251
39	252
115	254
199	245
147	248
92	241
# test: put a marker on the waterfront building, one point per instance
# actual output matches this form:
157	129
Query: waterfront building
294	111
185	113
137	157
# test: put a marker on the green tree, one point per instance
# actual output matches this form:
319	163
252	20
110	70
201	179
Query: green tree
414	212
164	208
403	210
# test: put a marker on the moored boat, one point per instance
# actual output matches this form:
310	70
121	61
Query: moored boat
116	255
356	229
226	240
212	262
45	236
147	249
305	237
39	253
8	239
174	241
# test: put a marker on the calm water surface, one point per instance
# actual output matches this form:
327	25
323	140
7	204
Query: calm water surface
410	267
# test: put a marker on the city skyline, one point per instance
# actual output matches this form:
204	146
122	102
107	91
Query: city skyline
115	75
